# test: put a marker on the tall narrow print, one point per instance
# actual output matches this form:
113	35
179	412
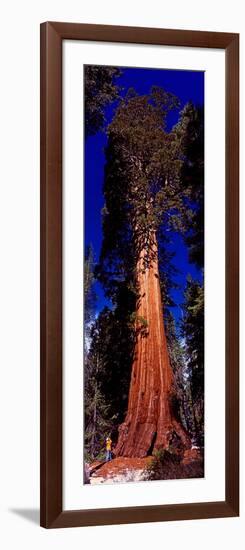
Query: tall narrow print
143	275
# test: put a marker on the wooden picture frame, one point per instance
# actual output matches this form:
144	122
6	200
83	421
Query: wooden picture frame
52	35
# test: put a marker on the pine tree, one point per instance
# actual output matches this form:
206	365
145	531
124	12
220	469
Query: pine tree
107	375
193	333
181	394
89	279
97	410
190	132
177	362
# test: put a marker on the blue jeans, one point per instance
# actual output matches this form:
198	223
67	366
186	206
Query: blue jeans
108	456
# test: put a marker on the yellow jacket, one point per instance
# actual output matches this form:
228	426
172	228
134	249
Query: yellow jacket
108	444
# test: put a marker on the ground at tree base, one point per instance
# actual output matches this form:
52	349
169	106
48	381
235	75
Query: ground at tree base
128	469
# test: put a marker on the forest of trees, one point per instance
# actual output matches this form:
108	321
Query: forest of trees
144	374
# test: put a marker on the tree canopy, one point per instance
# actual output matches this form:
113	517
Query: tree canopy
142	187
100	91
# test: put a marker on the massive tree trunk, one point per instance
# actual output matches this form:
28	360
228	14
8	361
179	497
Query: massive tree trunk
149	423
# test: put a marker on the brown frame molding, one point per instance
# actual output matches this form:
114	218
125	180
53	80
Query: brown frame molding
52	35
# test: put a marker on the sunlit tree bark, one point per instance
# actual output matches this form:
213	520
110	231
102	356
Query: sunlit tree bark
149	422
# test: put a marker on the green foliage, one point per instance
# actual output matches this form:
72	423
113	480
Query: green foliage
181	396
142	185
100	91
117	348
166	464
97	414
190	132
167	270
107	375
177	361
97	423
139	324
89	279
193	334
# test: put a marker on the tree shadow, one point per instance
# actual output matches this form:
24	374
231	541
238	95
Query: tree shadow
31	514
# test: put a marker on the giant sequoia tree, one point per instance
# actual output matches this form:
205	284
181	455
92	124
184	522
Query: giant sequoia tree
143	195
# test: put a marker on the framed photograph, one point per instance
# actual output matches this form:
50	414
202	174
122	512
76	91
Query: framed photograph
139	275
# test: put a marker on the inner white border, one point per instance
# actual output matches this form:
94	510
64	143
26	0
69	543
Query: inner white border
212	488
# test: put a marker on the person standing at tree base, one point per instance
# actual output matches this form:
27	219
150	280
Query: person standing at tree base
108	449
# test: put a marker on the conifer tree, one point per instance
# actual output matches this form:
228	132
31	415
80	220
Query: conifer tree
190	133
100	91
142	194
193	333
97	411
89	279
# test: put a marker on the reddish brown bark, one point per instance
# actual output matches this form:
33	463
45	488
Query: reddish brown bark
149	422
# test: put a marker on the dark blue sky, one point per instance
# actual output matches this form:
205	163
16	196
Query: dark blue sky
187	86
